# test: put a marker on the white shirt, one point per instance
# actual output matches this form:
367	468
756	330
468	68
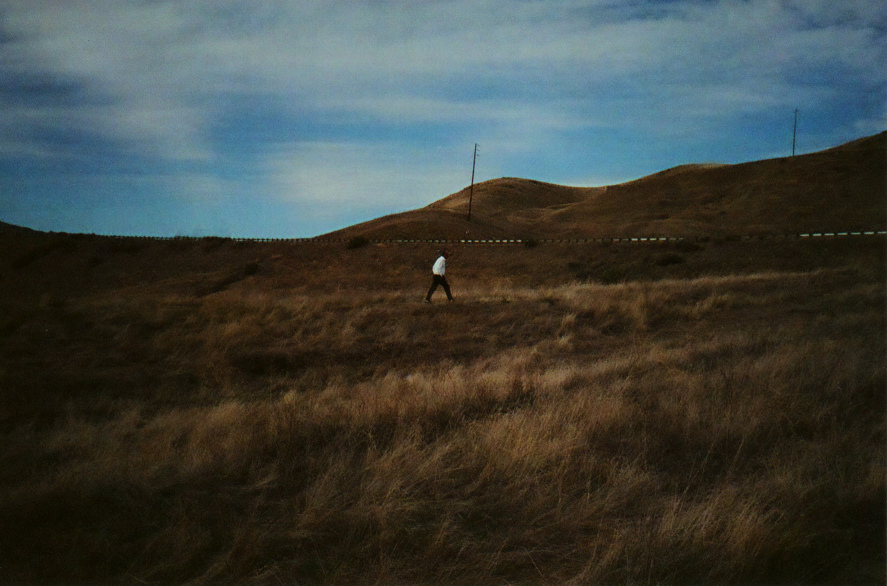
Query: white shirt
440	266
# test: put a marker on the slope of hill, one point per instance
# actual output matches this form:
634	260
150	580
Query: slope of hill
841	188
6	229
210	410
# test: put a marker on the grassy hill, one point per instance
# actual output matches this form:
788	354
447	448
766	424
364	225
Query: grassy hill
837	189
703	411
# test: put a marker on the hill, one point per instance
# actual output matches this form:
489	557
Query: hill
7	229
706	411
841	188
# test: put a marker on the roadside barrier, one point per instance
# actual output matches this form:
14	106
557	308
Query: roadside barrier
513	241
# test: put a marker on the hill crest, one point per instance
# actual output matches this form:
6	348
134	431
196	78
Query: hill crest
840	188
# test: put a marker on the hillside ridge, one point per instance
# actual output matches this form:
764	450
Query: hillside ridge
840	188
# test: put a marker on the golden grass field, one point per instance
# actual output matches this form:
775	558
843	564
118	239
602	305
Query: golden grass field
295	414
204	411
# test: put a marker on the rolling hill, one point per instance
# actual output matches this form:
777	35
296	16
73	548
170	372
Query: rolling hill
841	188
211	410
12	229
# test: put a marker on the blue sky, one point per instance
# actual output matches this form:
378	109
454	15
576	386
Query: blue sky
295	118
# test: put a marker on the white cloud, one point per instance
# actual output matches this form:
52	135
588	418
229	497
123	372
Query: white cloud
360	175
160	62
137	83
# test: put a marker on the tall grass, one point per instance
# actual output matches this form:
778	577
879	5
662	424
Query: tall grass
706	431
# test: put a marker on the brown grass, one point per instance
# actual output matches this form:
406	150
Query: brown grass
837	189
263	429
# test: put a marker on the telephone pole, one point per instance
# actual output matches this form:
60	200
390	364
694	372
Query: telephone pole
795	132
471	189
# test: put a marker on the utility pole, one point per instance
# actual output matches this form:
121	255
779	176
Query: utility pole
795	132
471	189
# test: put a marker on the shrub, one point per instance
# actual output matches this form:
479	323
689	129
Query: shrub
56	243
211	243
667	259
126	245
357	242
182	243
612	274
688	246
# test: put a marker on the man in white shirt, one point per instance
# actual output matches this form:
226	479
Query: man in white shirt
438	278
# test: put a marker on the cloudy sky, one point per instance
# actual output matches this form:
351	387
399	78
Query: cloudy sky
291	118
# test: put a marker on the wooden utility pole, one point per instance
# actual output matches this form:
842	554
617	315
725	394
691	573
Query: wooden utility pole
471	189
795	132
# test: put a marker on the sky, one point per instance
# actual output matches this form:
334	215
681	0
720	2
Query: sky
293	118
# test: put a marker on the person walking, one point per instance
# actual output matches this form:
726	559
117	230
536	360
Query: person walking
437	273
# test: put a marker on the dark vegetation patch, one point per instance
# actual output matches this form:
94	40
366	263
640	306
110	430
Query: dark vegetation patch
356	242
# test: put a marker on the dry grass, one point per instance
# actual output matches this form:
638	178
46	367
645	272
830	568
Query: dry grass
841	188
707	430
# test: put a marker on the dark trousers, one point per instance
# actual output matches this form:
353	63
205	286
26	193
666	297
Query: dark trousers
439	280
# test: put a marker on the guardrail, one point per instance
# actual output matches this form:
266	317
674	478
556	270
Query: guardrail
507	241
